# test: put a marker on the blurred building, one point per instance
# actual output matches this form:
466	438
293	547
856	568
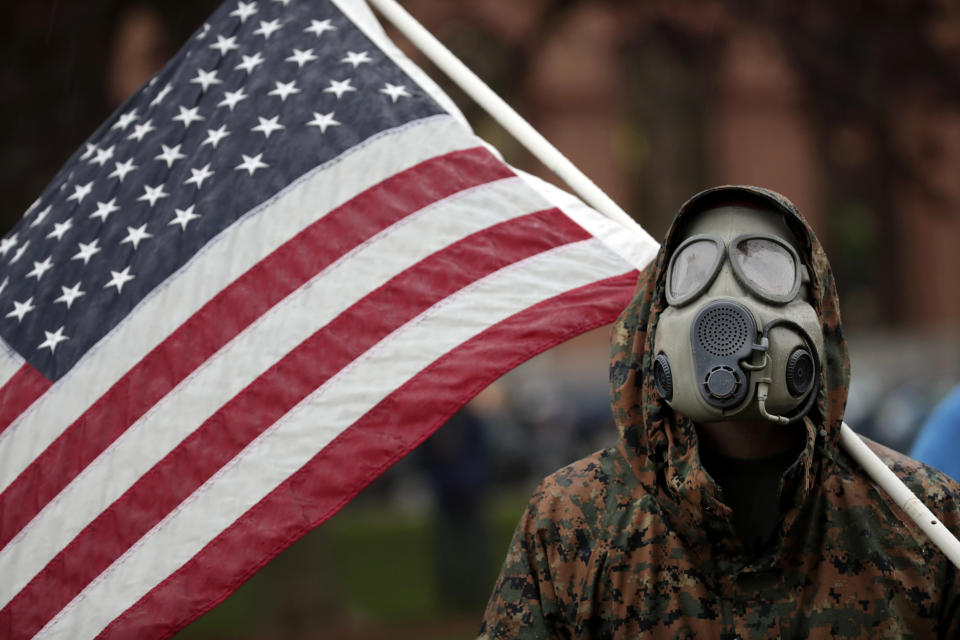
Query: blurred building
853	113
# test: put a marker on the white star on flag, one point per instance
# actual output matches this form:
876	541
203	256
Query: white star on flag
323	121
70	294
87	250
103	155
19	252
40	268
89	151
125	120
250	62
188	116
284	89
119	278
53	339
231	98
160	96
104	209
152	194
244	10
199	175
223	45
251	163
184	216
140	130
60	228
206	78
21	309
7	243
319	27
36	220
170	154
136	235
214	136
301	57
268	126
81	191
122	169
340	87
356	58
267	28
395	91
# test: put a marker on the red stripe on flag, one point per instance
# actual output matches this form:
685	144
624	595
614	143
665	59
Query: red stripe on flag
272	395
20	391
231	311
384	435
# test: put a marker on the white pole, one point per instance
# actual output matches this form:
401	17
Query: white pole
501	111
901	494
550	156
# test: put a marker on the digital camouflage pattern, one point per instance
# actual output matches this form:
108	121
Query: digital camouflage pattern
634	541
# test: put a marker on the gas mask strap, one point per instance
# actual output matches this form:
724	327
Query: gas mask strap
812	398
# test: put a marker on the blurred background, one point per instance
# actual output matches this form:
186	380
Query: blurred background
850	109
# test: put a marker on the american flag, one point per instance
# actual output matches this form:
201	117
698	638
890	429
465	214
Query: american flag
274	271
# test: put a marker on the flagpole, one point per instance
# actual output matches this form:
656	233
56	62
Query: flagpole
595	197
503	113
901	494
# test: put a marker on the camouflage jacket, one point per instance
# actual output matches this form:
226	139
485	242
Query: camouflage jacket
634	541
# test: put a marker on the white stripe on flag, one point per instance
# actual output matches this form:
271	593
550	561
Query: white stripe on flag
247	356
290	442
633	244
219	263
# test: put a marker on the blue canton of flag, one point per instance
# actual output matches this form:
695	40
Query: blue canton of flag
266	92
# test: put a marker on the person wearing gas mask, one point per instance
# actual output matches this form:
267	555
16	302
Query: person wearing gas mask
728	509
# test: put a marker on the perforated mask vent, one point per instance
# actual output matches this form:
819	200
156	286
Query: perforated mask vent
722	330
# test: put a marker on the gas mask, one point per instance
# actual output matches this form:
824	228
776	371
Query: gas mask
739	339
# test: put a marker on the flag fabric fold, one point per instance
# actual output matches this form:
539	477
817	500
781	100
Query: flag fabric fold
273	272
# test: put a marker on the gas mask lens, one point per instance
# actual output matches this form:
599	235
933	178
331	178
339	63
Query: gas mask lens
693	268
767	267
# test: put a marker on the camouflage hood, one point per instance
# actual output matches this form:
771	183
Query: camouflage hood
653	439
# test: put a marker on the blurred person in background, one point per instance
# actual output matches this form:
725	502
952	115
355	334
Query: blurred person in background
939	441
728	509
456	461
